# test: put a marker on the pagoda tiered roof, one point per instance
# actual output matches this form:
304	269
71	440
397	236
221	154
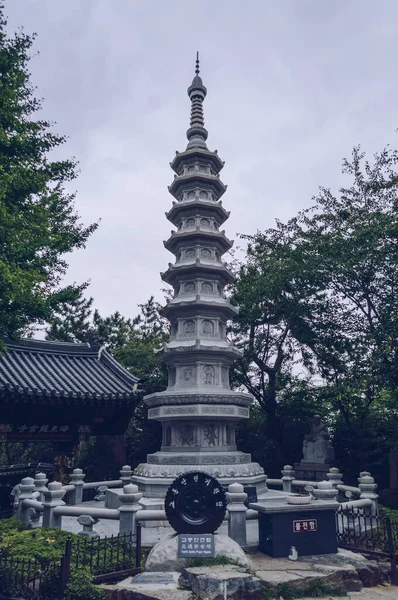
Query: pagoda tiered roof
197	235
188	207
192	154
199	179
197	269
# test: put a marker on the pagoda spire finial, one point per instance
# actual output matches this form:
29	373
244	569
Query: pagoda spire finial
197	64
197	134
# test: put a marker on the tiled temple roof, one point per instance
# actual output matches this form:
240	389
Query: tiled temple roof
51	371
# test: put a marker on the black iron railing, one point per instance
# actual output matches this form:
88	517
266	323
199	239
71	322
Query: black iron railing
376	535
107	558
29	578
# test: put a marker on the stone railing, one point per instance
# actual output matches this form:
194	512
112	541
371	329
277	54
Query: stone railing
53	508
39	499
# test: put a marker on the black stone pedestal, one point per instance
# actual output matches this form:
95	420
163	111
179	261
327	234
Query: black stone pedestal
311	471
311	528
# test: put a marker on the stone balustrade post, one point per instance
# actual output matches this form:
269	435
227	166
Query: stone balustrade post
336	478
237	513
368	489
287	478
101	493
125	474
52	498
40	485
128	509
27	486
88	526
76	478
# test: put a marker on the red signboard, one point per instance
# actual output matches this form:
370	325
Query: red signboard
305	525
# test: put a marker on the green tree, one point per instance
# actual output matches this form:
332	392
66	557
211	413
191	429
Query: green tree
321	290
352	242
38	222
133	343
272	291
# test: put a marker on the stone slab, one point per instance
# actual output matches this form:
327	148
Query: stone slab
151	580
153	504
279	505
148	586
331	568
115	593
112	497
219	582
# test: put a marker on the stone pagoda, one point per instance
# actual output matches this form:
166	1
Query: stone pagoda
198	411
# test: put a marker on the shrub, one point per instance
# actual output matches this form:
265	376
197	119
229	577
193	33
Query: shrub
11	524
80	587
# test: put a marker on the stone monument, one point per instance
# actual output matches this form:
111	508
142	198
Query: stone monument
318	452
198	410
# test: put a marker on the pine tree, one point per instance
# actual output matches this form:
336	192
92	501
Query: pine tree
38	222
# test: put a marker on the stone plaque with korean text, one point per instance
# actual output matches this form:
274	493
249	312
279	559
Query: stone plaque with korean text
196	546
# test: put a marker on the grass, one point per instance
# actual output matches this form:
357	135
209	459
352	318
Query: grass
393	512
318	588
212	562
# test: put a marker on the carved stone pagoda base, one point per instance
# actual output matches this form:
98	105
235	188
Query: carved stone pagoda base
153	479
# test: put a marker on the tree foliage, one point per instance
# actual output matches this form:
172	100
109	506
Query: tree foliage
321	291
38	222
133	343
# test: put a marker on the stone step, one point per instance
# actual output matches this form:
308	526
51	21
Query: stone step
148	586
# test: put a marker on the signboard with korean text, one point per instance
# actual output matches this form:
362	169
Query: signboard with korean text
304	525
196	546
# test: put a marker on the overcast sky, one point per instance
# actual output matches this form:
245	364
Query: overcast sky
292	86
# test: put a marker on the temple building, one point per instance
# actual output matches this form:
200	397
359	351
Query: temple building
63	393
198	411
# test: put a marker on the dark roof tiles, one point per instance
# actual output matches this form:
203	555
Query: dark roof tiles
63	370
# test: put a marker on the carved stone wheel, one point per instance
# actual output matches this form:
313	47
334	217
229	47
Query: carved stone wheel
195	503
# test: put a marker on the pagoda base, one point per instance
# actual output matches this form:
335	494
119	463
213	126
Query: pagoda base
154	478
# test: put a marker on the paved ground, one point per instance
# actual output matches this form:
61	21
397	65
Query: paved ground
377	593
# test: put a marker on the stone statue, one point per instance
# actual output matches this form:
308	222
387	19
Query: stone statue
209	375
186	435
210	435
316	446
207	326
189	326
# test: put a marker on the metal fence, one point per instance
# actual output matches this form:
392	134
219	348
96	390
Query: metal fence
43	579
375	535
29	578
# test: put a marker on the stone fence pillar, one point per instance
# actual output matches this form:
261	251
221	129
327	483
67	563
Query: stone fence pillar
40	485
128	509
101	493
125	474
237	513
76	478
368	489
88	523
52	498
336	478
287	478
27	488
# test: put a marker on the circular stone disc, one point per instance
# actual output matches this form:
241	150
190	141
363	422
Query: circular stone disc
195	503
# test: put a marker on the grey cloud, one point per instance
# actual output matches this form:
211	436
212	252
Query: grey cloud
292	86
